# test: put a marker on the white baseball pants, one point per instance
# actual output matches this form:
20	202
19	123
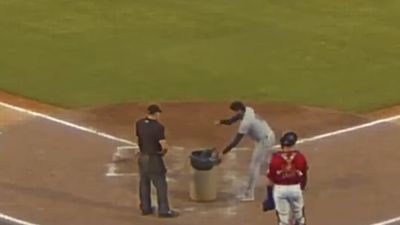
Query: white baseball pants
289	203
262	154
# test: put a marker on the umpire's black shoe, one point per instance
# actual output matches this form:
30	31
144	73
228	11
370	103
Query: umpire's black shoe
149	212
170	214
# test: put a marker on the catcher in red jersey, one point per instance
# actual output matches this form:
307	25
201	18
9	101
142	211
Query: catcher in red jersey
288	171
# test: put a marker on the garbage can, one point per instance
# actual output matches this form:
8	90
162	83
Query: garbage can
203	184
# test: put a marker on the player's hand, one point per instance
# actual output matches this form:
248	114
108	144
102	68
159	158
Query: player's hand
163	152
217	122
216	156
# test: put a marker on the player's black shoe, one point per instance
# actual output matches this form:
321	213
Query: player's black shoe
268	205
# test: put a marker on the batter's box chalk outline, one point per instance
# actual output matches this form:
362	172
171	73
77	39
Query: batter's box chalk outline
113	174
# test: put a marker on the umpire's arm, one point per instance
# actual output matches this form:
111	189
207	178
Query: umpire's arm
163	141
164	146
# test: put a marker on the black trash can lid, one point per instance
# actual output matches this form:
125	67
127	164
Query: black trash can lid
203	159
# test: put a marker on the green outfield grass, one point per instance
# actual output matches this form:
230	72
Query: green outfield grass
342	54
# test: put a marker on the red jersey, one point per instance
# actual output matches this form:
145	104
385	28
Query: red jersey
288	168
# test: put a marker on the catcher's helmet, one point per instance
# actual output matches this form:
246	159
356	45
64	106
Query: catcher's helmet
289	139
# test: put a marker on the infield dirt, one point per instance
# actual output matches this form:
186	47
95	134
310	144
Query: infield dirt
55	175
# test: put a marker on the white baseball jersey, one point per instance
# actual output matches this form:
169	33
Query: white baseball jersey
254	126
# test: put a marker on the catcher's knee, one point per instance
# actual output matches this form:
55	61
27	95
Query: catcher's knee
300	217
301	221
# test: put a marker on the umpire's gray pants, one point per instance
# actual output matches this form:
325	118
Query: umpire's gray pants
261	155
159	181
152	170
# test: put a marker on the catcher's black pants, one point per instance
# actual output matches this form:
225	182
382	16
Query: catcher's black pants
152	170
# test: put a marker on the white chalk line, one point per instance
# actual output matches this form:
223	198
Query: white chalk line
387	222
14	220
66	123
346	130
111	174
350	129
338	132
111	137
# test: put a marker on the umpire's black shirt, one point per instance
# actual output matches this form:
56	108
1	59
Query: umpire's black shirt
149	133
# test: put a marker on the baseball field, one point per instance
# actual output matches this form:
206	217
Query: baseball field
75	75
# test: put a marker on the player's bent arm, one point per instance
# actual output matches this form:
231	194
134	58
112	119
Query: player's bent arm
268	180
234	143
164	146
303	166
231	120
273	169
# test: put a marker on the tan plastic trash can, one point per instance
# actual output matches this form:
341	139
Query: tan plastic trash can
203	184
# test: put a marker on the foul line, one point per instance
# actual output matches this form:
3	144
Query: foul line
111	137
14	220
66	123
387	222
346	130
350	129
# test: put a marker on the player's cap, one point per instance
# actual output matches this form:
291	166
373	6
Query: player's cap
152	109
237	106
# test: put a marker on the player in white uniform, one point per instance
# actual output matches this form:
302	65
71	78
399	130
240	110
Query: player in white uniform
257	129
288	171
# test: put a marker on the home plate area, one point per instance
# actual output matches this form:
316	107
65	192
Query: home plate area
60	175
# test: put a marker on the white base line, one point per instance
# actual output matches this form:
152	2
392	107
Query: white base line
66	123
387	222
14	220
350	129
111	137
121	175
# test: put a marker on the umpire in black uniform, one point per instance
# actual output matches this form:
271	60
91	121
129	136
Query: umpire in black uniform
153	146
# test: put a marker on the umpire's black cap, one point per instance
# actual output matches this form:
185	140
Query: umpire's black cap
237	106
152	109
